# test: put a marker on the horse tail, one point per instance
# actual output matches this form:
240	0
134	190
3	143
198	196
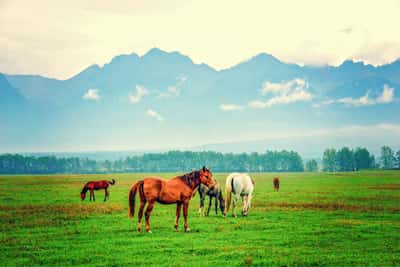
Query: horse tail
132	195
228	191
112	182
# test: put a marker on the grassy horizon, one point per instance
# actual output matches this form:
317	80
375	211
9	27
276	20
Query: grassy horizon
316	219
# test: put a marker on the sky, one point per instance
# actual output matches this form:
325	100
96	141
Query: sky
60	38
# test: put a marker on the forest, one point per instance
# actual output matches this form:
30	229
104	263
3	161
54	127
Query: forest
344	159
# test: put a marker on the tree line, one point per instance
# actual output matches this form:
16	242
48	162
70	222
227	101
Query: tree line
344	159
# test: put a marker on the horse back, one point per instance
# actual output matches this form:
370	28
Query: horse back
165	191
240	183
97	185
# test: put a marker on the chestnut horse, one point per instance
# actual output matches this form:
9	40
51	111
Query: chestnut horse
177	190
276	184
97	185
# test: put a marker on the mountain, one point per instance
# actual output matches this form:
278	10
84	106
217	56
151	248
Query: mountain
8	94
163	100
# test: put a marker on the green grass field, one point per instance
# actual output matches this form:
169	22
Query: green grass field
316	219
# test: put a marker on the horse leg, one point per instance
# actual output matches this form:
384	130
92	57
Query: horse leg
147	214
178	214
201	209
245	205
105	194
140	215
94	199
185	215
249	201
91	195
216	205
209	205
235	200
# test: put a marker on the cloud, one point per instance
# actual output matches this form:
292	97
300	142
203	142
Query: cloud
387	96
230	107
347	30
283	87
378	53
283	93
140	93
92	94
175	89
154	114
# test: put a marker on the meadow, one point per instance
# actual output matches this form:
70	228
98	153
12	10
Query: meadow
316	219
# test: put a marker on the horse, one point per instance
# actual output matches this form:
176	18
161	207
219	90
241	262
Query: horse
215	192
240	185
276	184
178	190
96	185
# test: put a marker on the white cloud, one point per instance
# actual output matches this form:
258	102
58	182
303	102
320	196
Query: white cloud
175	89
284	93
140	93
154	114
59	32
386	97
362	101
230	107
92	94
283	87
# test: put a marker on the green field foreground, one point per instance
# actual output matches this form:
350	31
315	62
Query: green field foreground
316	219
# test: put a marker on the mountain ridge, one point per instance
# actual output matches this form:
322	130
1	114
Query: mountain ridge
160	98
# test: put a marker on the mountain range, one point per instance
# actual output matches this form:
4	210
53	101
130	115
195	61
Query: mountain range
162	100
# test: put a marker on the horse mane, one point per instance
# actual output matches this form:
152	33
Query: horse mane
190	178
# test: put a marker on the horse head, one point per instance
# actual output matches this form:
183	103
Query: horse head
206	177
83	193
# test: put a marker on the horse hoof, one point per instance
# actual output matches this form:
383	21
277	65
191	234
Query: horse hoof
149	231
187	229
176	229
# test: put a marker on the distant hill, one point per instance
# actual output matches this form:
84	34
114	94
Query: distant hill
162	100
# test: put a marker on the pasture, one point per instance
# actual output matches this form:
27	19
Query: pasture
315	219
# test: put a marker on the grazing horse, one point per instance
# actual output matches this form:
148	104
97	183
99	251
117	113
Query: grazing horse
97	185
178	190
276	184
214	192
240	185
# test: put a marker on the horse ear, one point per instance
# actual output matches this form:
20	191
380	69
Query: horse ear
204	168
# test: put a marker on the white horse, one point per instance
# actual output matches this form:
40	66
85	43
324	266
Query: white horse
240	185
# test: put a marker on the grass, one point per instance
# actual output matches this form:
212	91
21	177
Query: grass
316	219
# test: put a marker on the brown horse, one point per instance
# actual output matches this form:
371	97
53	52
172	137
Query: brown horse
276	184
97	185
177	190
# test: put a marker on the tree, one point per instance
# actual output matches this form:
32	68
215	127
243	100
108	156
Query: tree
329	160
397	159
312	165
387	157
345	159
363	159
